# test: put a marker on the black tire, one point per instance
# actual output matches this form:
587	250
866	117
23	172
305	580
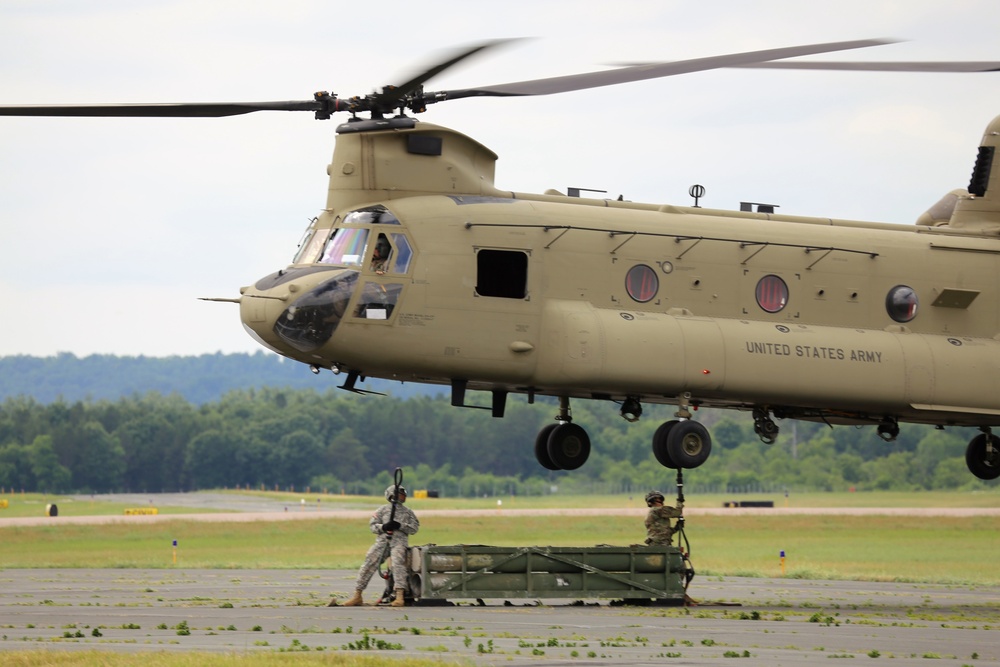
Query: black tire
568	446
542	447
980	464
688	444
660	450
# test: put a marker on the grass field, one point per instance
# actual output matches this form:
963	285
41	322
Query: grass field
883	548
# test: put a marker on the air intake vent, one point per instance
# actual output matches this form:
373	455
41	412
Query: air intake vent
981	172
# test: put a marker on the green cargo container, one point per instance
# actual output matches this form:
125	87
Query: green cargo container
631	573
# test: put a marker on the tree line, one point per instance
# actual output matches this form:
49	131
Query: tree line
341	442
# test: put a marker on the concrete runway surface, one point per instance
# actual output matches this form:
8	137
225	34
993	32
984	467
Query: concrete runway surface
761	621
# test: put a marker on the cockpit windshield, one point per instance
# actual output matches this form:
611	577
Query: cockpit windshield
346	247
310	245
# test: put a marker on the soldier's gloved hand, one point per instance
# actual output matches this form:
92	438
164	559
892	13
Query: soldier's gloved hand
390	526
680	523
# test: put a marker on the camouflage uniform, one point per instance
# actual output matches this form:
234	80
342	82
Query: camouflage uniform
658	527
408	525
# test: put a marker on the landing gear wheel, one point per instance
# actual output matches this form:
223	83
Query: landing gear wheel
568	446
542	447
983	464
660	450
688	444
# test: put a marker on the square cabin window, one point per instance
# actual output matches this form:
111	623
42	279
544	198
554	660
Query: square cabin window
502	273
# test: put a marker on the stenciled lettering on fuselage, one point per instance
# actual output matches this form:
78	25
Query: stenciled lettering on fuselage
814	352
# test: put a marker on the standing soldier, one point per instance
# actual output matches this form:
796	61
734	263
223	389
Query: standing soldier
658	527
392	524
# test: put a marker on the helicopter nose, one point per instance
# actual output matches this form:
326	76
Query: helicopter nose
296	310
308	323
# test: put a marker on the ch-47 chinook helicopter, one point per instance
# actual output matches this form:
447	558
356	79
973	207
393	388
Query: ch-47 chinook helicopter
420	269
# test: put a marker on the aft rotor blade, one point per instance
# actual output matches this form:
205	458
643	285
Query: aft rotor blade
563	84
193	110
912	66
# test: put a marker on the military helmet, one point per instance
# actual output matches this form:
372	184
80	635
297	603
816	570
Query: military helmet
390	492
652	495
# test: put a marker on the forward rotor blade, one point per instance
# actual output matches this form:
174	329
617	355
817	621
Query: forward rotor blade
394	93
563	84
193	110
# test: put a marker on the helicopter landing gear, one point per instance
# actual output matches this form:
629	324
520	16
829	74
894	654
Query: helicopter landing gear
888	429
682	443
563	445
983	455
764	426
688	444
660	451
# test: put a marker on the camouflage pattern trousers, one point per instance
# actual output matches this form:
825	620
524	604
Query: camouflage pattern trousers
397	551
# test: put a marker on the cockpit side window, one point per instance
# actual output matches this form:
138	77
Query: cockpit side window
401	262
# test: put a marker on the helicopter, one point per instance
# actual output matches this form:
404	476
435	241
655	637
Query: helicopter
420	269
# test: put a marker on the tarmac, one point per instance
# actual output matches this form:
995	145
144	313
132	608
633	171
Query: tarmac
764	622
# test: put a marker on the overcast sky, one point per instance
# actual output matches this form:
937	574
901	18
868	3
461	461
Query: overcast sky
111	228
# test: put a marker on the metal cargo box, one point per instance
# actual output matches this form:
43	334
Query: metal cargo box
475	571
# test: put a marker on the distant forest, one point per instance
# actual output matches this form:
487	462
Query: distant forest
198	380
107	424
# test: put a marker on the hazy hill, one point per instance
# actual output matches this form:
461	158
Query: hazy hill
200	379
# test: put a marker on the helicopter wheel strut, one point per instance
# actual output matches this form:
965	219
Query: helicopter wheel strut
983	455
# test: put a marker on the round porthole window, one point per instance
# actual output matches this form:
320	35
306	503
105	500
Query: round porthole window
901	303
772	293
641	283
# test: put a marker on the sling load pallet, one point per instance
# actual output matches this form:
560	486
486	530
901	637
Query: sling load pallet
631	573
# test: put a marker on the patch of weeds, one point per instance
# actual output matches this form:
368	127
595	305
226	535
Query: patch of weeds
182	628
366	643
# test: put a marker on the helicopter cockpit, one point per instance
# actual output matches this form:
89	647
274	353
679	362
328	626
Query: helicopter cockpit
374	254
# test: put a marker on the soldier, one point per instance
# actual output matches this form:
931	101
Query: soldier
658	527
393	531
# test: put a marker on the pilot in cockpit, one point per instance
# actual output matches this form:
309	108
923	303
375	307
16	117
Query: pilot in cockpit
380	256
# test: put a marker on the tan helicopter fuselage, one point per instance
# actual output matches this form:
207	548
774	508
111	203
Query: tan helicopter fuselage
556	295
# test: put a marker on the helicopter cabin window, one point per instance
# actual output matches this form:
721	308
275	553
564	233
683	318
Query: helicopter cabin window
772	294
502	273
901	303
641	283
345	247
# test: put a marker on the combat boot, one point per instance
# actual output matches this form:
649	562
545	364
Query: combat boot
354	601
400	600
